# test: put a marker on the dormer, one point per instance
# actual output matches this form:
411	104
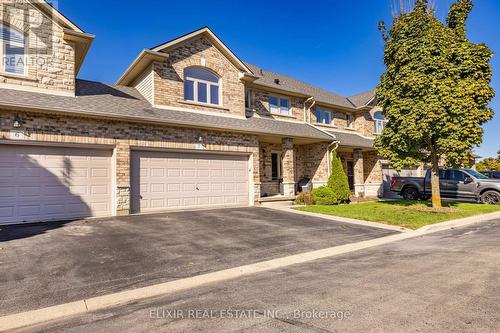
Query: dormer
41	50
196	72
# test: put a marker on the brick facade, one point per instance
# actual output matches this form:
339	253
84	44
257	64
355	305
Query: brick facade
50	62
169	77
52	128
260	105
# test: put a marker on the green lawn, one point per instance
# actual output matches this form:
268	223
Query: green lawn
408	214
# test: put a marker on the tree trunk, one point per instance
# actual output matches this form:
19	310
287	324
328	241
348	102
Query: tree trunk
436	191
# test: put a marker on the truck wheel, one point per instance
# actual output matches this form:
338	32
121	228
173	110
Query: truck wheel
490	198
410	193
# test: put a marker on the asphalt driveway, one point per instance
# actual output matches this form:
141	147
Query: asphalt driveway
442	282
54	263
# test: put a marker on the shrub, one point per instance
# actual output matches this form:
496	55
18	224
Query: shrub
325	195
305	198
338	180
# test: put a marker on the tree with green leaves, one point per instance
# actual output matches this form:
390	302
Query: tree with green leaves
435	91
337	190
338	181
488	164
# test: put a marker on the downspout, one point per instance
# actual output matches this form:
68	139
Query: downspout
329	154
307	110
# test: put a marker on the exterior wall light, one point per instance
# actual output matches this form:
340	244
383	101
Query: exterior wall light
18	122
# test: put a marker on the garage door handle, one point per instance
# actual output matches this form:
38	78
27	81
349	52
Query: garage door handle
197	189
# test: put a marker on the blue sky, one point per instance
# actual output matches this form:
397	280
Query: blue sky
332	44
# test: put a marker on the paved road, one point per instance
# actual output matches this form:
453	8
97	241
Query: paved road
54	263
443	282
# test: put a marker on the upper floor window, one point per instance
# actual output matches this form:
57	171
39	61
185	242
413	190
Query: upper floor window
279	105
202	86
12	50
379	122
350	120
323	116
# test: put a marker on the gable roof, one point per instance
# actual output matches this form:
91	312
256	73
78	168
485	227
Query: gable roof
127	104
72	32
205	31
362	99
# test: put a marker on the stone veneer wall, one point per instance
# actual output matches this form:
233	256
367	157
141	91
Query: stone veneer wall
169	77
364	124
51	60
80	130
312	161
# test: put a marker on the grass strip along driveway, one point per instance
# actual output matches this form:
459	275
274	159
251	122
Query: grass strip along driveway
407	214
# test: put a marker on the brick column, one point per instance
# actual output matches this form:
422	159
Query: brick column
288	172
122	178
359	178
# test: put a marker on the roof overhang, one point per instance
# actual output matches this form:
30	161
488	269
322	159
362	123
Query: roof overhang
205	31
145	58
56	15
82	45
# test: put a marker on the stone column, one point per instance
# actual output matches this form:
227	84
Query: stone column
359	178
288	164
122	178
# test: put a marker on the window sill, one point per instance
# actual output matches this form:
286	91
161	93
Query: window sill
282	115
202	104
326	125
17	76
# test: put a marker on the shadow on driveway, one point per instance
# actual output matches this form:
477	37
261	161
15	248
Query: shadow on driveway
65	262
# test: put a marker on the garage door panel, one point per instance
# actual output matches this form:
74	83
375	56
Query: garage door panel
50	183
190	180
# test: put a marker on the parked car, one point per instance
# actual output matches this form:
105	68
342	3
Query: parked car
492	174
464	184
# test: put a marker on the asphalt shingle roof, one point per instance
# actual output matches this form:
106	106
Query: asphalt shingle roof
362	99
126	103
267	78
352	139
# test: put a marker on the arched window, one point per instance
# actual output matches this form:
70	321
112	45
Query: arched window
201	85
379	122
13	50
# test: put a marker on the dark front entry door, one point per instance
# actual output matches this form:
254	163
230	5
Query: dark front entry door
350	174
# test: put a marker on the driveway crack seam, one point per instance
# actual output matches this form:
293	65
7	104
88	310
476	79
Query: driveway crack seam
86	307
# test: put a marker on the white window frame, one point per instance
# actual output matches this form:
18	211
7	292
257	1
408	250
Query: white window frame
323	110
350	120
279	110
209	93
3	52
378	124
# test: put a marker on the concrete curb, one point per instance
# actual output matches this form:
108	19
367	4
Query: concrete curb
344	219
29	318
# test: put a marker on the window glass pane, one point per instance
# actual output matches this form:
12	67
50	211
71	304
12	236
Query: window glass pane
189	90
202	92
273	104
275	166
328	117
14	59
284	105
319	116
442	174
201	74
214	94
379	115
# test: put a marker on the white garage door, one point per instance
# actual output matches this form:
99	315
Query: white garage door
162	181
42	183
